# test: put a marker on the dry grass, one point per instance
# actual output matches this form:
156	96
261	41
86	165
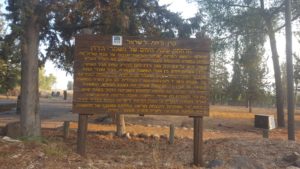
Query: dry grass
106	151
57	150
230	111
8	97
228	133
217	114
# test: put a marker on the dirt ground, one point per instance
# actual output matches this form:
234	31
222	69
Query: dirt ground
229	135
105	150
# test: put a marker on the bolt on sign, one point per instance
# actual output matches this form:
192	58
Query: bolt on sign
132	75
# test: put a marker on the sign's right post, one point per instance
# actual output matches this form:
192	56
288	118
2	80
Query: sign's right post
198	141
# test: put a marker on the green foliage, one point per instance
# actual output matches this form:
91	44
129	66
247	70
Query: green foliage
126	17
297	70
218	76
236	87
10	68
238	27
55	150
296	79
46	82
284	81
252	51
9	76
34	140
60	21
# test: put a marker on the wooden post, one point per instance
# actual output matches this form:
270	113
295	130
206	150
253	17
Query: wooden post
66	129
18	110
120	125
65	95
172	134
265	133
82	133
198	141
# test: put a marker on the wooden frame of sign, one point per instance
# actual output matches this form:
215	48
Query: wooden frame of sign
148	76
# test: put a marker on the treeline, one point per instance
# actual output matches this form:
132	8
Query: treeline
10	78
240	30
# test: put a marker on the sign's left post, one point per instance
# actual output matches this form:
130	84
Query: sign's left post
82	134
82	122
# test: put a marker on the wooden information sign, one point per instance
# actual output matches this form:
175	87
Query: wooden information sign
130	75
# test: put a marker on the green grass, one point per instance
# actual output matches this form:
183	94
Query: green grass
4	154
51	148
34	139
55	150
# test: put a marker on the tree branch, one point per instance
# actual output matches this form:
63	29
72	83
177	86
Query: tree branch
293	19
232	4
262	4
277	9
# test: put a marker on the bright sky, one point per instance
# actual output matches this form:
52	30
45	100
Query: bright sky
61	77
280	39
187	10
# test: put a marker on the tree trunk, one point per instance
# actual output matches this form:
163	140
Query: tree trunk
290	71
235	93
30	118
250	105
295	95
213	99
277	73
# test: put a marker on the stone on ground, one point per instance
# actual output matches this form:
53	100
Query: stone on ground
13	130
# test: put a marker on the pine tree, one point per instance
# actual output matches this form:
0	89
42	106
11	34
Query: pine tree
220	18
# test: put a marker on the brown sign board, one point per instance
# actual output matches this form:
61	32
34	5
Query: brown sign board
132	75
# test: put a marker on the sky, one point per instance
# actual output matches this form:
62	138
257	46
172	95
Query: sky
61	77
